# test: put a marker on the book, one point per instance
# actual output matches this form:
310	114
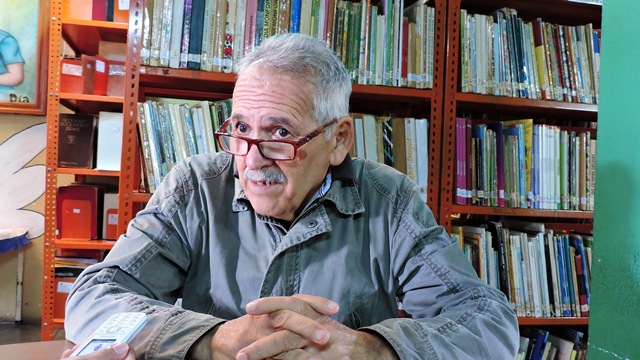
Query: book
209	30
522	349
219	48
109	144
76	140
186	33
156	32
422	156
564	347
581	273
194	54
166	32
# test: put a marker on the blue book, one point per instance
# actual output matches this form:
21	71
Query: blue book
259	23
567	256
539	337
577	243
295	16
562	273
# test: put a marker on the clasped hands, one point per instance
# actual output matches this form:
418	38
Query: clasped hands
294	327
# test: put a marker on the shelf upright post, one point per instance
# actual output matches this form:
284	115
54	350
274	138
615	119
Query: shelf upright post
436	118
450	86
51	185
129	168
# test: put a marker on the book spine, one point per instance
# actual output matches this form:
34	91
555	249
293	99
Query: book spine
195	36
186	34
220	41
238	38
175	41
229	36
295	15
422	156
250	25
156	32
165	32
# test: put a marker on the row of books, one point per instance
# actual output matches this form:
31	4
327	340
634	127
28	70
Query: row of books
501	54
398	142
173	130
542	273
561	344
69	263
384	44
521	164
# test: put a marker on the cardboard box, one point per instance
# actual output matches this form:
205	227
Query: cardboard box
79	211
115	83
121	11
62	289
110	216
77	9
100	75
71	75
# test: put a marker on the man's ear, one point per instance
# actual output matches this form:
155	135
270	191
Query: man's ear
343	140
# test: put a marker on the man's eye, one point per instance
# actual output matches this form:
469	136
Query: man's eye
283	133
242	128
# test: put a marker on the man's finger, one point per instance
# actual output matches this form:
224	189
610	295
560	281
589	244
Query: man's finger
299	303
299	324
273	345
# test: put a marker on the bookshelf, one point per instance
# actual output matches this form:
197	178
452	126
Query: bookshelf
82	37
497	108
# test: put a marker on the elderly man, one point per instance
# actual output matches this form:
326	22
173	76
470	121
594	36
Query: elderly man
285	247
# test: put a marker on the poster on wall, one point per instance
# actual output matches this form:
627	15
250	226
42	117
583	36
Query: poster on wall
23	51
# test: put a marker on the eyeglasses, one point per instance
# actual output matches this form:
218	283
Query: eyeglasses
269	148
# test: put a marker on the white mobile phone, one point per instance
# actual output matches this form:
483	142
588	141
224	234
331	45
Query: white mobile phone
118	328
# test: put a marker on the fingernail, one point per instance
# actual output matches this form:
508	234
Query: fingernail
331	306
320	335
251	306
121	348
242	356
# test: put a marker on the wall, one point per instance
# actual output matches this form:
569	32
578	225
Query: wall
615	311
22	183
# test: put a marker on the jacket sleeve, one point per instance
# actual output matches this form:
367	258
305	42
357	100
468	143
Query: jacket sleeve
454	314
145	271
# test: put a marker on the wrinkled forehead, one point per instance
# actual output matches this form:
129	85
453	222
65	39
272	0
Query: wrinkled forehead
263	90
271	79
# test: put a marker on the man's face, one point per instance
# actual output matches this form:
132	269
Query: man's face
280	109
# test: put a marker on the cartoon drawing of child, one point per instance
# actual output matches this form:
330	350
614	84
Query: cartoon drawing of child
11	62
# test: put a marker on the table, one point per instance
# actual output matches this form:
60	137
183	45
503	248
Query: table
40	350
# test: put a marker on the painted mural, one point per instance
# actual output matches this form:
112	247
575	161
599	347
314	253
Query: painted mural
21	182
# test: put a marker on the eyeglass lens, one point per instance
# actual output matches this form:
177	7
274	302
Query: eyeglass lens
269	149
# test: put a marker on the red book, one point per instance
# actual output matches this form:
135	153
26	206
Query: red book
405	51
99	10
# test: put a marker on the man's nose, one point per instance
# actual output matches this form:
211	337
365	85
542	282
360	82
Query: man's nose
254	158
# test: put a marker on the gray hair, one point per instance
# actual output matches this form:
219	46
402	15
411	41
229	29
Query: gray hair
308	60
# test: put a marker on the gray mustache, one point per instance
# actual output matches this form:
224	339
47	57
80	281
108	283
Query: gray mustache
267	175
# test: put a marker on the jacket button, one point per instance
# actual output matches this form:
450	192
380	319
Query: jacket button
312	224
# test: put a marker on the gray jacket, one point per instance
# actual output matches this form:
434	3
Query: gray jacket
368	243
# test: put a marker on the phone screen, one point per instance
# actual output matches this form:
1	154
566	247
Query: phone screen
96	345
